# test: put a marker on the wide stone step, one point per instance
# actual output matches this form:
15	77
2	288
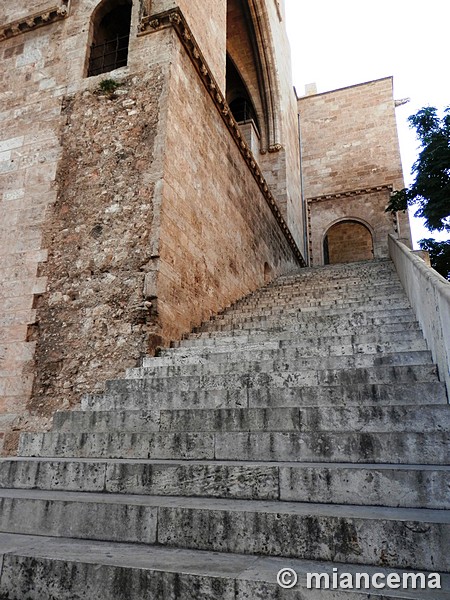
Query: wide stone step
311	314
283	351
388	537
286	379
304	330
335	290
140	398
316	278
346	282
308	419
285	338
287	306
40	568
315	321
320	299
380	447
286	303
253	365
358	341
407	486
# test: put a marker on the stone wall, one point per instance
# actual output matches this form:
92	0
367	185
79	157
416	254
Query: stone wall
217	230
93	320
73	192
349	139
30	105
207	22
351	161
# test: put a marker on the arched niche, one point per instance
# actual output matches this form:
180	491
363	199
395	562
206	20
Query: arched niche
110	36
347	241
250	54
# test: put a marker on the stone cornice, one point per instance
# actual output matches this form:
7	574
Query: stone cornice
351	193
35	20
174	18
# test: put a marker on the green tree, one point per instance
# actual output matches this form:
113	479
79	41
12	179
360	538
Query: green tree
439	255
431	188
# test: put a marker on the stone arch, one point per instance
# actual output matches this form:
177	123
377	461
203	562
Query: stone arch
348	240
109	36
250	49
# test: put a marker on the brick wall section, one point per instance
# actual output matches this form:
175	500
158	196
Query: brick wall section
349	242
217	230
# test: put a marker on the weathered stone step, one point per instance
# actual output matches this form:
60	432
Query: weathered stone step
335	322
358	270
388	537
305	279
319	299
407	486
328	341
414	393
327	285
38	568
322	294
379	447
312	418
306	314
253	365
286	379
323	291
234	338
288	304
305	330
283	351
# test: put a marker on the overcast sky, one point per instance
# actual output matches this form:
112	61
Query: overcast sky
336	43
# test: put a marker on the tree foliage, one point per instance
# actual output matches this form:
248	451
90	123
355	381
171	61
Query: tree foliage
431	188
439	255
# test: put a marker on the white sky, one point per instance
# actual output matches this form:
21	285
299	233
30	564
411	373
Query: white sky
336	43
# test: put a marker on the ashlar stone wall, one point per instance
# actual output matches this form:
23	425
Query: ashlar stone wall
217	229
89	281
350	162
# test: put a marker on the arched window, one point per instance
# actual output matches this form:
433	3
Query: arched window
238	97
347	241
250	64
111	35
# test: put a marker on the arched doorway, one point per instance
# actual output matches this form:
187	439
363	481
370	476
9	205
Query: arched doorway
347	241
111	24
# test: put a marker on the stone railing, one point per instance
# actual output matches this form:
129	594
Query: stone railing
429	295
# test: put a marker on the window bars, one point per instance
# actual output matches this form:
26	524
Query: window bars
108	55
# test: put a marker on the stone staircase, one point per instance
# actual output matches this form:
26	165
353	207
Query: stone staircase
305	427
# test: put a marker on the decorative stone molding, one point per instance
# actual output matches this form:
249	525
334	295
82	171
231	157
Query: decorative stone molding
275	148
175	18
45	17
351	193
